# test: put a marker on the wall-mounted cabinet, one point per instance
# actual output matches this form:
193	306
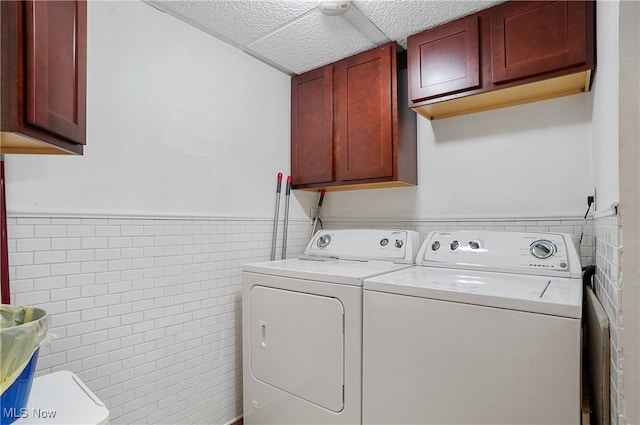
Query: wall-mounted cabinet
44	56
516	52
445	60
350	127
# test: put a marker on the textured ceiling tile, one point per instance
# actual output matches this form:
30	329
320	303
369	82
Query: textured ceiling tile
311	42
293	36
401	18
239	21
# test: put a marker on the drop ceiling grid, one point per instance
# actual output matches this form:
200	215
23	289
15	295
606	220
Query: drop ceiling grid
400	19
311	42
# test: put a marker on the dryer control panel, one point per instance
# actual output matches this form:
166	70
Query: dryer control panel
550	254
365	245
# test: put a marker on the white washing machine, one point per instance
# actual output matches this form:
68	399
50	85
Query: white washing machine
485	330
302	326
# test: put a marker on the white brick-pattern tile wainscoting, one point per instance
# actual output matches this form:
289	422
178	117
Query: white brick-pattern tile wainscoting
571	225
607	288
147	311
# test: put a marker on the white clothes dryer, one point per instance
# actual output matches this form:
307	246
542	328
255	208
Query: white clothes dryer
485	330
302	326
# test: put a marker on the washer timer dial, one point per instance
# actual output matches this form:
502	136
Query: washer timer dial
323	241
542	249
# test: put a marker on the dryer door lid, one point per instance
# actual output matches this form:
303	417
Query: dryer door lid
297	344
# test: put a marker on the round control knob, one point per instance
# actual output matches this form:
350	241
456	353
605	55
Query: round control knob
323	241
384	242
542	249
454	245
474	244
435	246
399	243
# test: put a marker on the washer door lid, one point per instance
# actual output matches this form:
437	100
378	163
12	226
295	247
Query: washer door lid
536	294
297	344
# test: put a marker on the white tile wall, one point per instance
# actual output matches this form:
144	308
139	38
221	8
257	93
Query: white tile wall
146	311
607	287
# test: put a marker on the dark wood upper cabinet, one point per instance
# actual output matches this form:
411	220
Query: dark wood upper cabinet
311	127
44	50
528	51
445	60
355	110
362	120
533	37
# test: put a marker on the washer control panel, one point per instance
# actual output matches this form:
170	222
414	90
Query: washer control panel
365	244
521	252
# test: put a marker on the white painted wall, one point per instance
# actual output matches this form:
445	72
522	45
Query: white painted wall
524	161
605	130
605	106
178	123
617	169
629	107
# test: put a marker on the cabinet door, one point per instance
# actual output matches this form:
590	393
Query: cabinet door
56	67
533	37
311	127
363	115
444	60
